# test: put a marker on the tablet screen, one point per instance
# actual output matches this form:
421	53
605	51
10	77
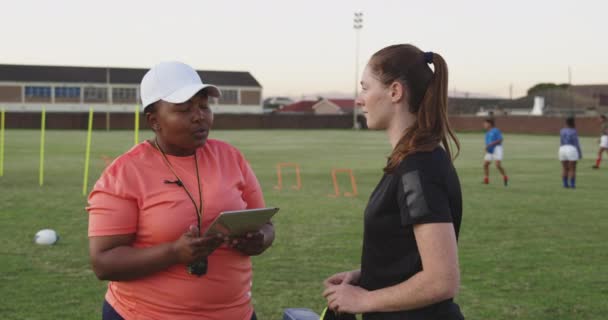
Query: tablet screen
238	223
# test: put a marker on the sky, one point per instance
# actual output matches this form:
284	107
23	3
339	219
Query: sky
307	48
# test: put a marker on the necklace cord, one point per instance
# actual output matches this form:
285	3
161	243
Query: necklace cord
199	208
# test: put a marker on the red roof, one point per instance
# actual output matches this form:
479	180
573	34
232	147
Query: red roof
300	106
345	104
305	106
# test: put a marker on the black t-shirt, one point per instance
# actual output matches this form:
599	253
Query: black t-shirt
424	188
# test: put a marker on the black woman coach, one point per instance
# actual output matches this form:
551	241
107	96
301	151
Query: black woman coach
147	210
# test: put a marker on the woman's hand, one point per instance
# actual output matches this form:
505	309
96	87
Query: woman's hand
254	243
190	247
347	277
347	298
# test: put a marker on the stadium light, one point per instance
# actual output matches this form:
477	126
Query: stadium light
357	25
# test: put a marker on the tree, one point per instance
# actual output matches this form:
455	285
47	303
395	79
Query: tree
544	86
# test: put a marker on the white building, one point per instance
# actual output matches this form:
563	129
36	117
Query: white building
27	88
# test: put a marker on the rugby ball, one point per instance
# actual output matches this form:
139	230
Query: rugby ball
46	237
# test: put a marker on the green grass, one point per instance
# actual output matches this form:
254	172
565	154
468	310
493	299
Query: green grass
529	251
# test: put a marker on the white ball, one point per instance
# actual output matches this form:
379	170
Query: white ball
46	237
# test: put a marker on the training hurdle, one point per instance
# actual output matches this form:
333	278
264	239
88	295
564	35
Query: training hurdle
353	183
280	167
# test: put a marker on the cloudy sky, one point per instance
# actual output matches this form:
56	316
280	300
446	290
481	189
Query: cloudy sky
307	47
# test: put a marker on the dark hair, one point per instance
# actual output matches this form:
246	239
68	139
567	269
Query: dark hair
603	116
570	122
490	121
151	108
428	98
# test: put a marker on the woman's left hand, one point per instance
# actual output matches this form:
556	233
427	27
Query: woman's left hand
254	243
346	298
251	244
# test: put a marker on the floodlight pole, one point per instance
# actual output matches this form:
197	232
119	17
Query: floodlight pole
357	25
572	109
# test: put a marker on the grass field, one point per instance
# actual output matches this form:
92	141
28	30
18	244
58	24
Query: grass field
529	251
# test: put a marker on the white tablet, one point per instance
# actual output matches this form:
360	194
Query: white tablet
238	223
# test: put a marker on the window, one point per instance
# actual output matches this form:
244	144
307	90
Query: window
37	92
124	95
229	96
95	94
249	97
67	92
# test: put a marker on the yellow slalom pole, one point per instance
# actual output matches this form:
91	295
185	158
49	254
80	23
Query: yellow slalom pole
2	143
136	124
87	155
107	120
42	130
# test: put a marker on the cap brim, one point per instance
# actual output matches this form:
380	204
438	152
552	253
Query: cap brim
184	94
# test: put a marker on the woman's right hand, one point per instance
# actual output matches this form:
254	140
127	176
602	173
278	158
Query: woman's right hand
348	277
190	247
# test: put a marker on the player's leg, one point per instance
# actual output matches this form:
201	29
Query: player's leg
602	150
505	179
572	174
603	147
486	172
599	159
565	169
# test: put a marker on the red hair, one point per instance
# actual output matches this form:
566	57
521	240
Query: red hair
428	98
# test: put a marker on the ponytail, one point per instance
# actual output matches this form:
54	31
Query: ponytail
428	99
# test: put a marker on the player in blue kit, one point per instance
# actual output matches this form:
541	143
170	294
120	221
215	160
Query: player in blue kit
569	153
494	151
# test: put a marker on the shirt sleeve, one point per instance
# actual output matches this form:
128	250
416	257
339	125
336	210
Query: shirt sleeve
578	147
422	197
252	191
497	135
112	210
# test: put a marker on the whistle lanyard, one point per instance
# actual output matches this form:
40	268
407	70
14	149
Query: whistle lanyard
199	207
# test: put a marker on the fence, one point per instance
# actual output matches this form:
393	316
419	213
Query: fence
508	124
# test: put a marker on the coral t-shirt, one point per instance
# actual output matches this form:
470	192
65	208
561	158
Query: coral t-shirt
131	197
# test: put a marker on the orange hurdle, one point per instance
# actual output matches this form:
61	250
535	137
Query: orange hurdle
353	183
282	165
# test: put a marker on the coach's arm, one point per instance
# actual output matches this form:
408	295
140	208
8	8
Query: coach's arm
114	258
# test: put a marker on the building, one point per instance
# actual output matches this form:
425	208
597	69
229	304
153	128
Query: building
75	89
274	103
582	100
321	106
554	102
472	105
598	93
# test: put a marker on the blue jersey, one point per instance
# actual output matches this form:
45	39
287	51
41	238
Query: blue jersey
569	136
493	135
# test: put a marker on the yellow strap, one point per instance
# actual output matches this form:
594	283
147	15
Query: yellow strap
323	314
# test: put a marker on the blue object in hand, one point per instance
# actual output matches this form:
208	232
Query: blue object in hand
300	314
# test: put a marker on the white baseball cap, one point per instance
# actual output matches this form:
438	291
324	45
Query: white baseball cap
174	82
